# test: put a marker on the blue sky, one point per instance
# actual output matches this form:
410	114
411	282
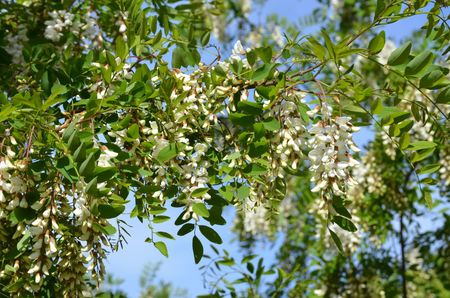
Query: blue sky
179	268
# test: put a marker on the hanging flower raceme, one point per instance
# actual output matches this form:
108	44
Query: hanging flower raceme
60	21
331	152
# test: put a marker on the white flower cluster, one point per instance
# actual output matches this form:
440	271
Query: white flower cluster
120	72
15	43
246	6
196	173
121	23
290	139
255	221
91	35
72	270
369	179
331	157
44	244
11	185
60	21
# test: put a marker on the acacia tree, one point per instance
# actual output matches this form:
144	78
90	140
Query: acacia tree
107	104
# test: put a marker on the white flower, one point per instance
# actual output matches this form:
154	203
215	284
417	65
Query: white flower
105	158
330	155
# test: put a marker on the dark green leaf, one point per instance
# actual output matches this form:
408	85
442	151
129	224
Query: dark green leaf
110	211
197	248
185	229
210	234
344	223
336	241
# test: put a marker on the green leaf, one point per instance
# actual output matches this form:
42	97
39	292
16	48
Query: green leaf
400	55
110	211
316	48
419	63
204	39
74	141
160	218
265	54
24	213
422	154
351	108
200	209
185	229
381	4
444	96
80	154
428	169
336	241
429	80
69	130
199	192
419	145
164	235
167	153
404	141
344	223
272	124
210	234
428	199
197	248
121	48
91	187
263	72
243	192
178	58
161	246
258	148
23	242
248	107
377	43
88	166
107	230
254	169
242	119
329	45
133	131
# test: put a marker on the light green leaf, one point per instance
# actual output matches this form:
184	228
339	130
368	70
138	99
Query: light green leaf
400	55
419	63
419	145
377	43
200	209
167	153
164	235
428	169
161	246
263	72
